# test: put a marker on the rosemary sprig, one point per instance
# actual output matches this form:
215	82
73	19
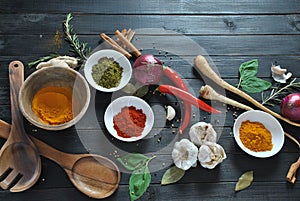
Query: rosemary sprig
78	47
280	91
41	59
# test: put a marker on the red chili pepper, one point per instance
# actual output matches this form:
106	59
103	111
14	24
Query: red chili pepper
174	77
168	89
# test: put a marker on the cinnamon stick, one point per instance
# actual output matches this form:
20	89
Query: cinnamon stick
291	175
127	43
130	34
115	45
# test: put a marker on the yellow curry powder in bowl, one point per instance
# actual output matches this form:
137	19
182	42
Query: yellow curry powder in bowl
255	136
53	105
54	98
258	133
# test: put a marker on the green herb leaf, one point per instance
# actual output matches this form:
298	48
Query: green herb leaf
133	161
139	182
248	69
248	80
172	175
245	181
255	85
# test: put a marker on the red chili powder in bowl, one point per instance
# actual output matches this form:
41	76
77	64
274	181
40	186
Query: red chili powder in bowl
130	122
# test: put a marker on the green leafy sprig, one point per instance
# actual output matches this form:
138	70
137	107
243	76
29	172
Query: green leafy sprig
78	47
280	91
140	178
248	80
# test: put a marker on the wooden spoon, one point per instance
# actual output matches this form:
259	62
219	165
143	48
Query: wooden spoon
94	175
20	163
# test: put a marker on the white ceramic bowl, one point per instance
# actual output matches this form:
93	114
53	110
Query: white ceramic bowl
269	122
118	57
115	107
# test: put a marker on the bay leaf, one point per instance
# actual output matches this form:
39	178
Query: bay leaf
172	175
244	181
133	161
139	182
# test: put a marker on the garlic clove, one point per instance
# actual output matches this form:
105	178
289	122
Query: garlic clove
170	113
279	74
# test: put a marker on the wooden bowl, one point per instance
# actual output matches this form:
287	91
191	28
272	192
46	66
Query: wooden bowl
55	76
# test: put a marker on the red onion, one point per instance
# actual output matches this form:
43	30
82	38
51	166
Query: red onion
147	69
290	107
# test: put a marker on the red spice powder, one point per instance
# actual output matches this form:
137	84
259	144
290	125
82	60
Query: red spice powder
130	122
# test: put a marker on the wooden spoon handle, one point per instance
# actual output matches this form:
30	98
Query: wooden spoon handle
202	65
63	159
16	78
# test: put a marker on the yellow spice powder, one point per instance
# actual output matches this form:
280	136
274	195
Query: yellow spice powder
53	105
255	136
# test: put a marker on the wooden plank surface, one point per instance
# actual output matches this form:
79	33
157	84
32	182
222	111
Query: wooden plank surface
227	32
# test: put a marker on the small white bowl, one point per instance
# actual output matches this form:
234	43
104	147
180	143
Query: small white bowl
269	122
118	57
115	107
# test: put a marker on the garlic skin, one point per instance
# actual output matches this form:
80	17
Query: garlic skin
63	61
279	74
202	132
211	154
170	113
184	154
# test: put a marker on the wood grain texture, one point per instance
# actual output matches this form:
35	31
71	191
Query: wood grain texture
47	24
229	32
153	7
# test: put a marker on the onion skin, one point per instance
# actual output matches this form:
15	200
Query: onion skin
147	69
290	106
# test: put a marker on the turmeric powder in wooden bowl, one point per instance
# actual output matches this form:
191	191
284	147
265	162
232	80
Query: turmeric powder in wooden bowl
258	133
54	98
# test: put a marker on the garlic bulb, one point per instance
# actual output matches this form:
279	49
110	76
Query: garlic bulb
184	154
211	154
279	75
202	132
170	113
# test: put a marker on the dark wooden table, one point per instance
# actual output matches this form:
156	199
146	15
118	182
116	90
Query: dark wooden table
230	33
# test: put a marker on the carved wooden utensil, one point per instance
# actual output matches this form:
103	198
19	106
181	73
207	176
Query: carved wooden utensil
94	175
20	163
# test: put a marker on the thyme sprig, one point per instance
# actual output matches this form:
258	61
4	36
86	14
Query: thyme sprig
280	91
78	47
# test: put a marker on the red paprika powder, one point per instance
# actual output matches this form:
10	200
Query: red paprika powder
130	122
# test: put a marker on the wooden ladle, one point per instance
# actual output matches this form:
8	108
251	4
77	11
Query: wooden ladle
94	175
20	163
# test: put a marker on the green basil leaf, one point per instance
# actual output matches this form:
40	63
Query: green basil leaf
244	181
133	161
139	182
255	85
248	69
172	175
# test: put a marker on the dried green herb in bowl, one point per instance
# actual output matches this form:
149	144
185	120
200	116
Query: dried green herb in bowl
107	72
